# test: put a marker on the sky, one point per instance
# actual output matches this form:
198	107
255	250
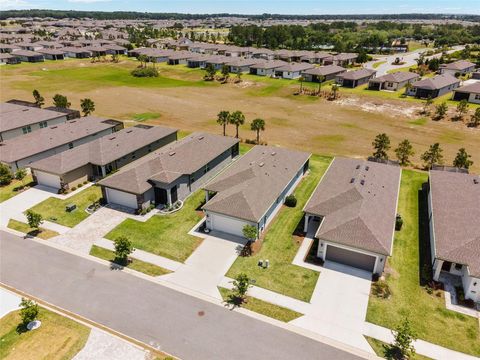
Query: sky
302	7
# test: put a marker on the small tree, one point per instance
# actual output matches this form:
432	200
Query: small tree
210	72
335	89
462	160
237	118
239	76
321	79
29	311
5	175
34	219
440	111
241	284
427	105
432	156
381	144
20	175
291	201
39	100
402	347
223	118
258	125
250	232
475	119
123	248
225	72
404	151
61	101
88	106
301	79
462	109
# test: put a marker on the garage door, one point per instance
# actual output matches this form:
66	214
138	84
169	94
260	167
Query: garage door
121	198
227	225
351	258
47	179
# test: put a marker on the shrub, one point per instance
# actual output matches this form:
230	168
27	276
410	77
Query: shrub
398	223
74	188
80	185
381	290
250	232
29	311
145	72
123	248
291	201
5	175
85	182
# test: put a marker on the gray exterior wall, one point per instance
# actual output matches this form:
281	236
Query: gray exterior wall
10	134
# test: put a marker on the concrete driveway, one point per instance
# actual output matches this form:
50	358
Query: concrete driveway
15	206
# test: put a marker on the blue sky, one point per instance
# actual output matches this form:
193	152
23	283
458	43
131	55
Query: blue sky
256	7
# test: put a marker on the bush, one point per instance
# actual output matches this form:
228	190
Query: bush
381	290
29	311
291	201
80	185
5	175
145	72
398	223
74	188
85	182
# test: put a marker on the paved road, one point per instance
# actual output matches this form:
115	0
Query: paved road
147	311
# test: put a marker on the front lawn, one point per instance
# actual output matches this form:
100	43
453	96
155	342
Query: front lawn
280	247
165	235
427	313
41	233
14	188
263	307
58	338
53	209
379	348
138	265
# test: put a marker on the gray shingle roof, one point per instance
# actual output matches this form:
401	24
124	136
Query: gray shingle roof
398	76
104	150
360	214
470	88
437	82
458	65
325	70
248	188
357	74
456	213
170	162
13	116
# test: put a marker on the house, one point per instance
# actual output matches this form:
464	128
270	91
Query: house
242	65
265	54
456	68
433	87
17	120
100	157
266	68
253	189
454	213
28	56
470	92
393	81
292	70
52	54
353	211
342	59
113	49
76	53
21	151
171	173
323	73
217	61
6	58
96	50
180	57
198	61
355	78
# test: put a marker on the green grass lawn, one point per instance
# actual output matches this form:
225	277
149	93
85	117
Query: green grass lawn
42	233
264	308
427	313
280	247
14	188
165	235
378	63
138	265
146	116
53	209
59	338
379	348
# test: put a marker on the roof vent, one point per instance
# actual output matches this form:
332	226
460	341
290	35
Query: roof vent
53	127
362	182
129	131
261	164
367	168
171	153
352	180
274	153
475	181
112	138
357	167
201	137
25	109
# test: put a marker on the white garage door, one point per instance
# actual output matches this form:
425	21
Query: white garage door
121	198
47	179
227	225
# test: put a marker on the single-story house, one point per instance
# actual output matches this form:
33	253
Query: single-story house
253	189
8	48
17	120
28	56
470	92
393	81
217	61
433	87
292	70
114	49
180	57
170	173
21	151
342	59
355	78
198	61
242	65
460	67
52	54
98	158
96	50
323	73
76	52
266	68
6	58
353	211
29	46
265	54
454	213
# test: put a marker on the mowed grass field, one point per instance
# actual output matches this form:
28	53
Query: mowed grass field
181	99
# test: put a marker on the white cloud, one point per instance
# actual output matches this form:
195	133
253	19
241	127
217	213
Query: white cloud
87	1
14	4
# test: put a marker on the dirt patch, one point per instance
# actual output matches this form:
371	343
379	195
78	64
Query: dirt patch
381	107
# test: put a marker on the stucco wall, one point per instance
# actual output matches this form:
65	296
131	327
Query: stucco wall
10	134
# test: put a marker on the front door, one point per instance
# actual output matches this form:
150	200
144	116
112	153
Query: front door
160	196
174	194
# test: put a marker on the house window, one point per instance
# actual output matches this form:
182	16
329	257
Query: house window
43	124
458	267
477	97
206	169
26	129
70	145
134	155
390	84
192	179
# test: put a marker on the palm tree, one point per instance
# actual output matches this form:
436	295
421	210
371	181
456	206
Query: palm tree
237	118
258	125
321	79
39	100
88	106
301	79
223	118
335	88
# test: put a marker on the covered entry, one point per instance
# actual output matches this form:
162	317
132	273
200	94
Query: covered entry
350	258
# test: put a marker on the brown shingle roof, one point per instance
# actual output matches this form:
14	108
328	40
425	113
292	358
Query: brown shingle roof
471	88
456	213
358	213
325	70
398	76
458	65
13	116
248	188
170	162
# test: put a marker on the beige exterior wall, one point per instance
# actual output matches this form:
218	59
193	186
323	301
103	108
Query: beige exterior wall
77	176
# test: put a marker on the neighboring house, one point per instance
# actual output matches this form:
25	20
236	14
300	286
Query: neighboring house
171	173
393	81
470	92
28	56
253	189
6	58
265	54
17	120
180	57
76	53
342	59
267	68
242	65
434	87
355	78
113	49
198	61
323	73
353	211
98	158
292	70
217	61
456	68
454	213
52	54
21	151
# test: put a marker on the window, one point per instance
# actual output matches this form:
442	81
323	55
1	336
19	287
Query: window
477	96
26	129
70	145
192	179
134	155
43	124
206	169
390	84
458	267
